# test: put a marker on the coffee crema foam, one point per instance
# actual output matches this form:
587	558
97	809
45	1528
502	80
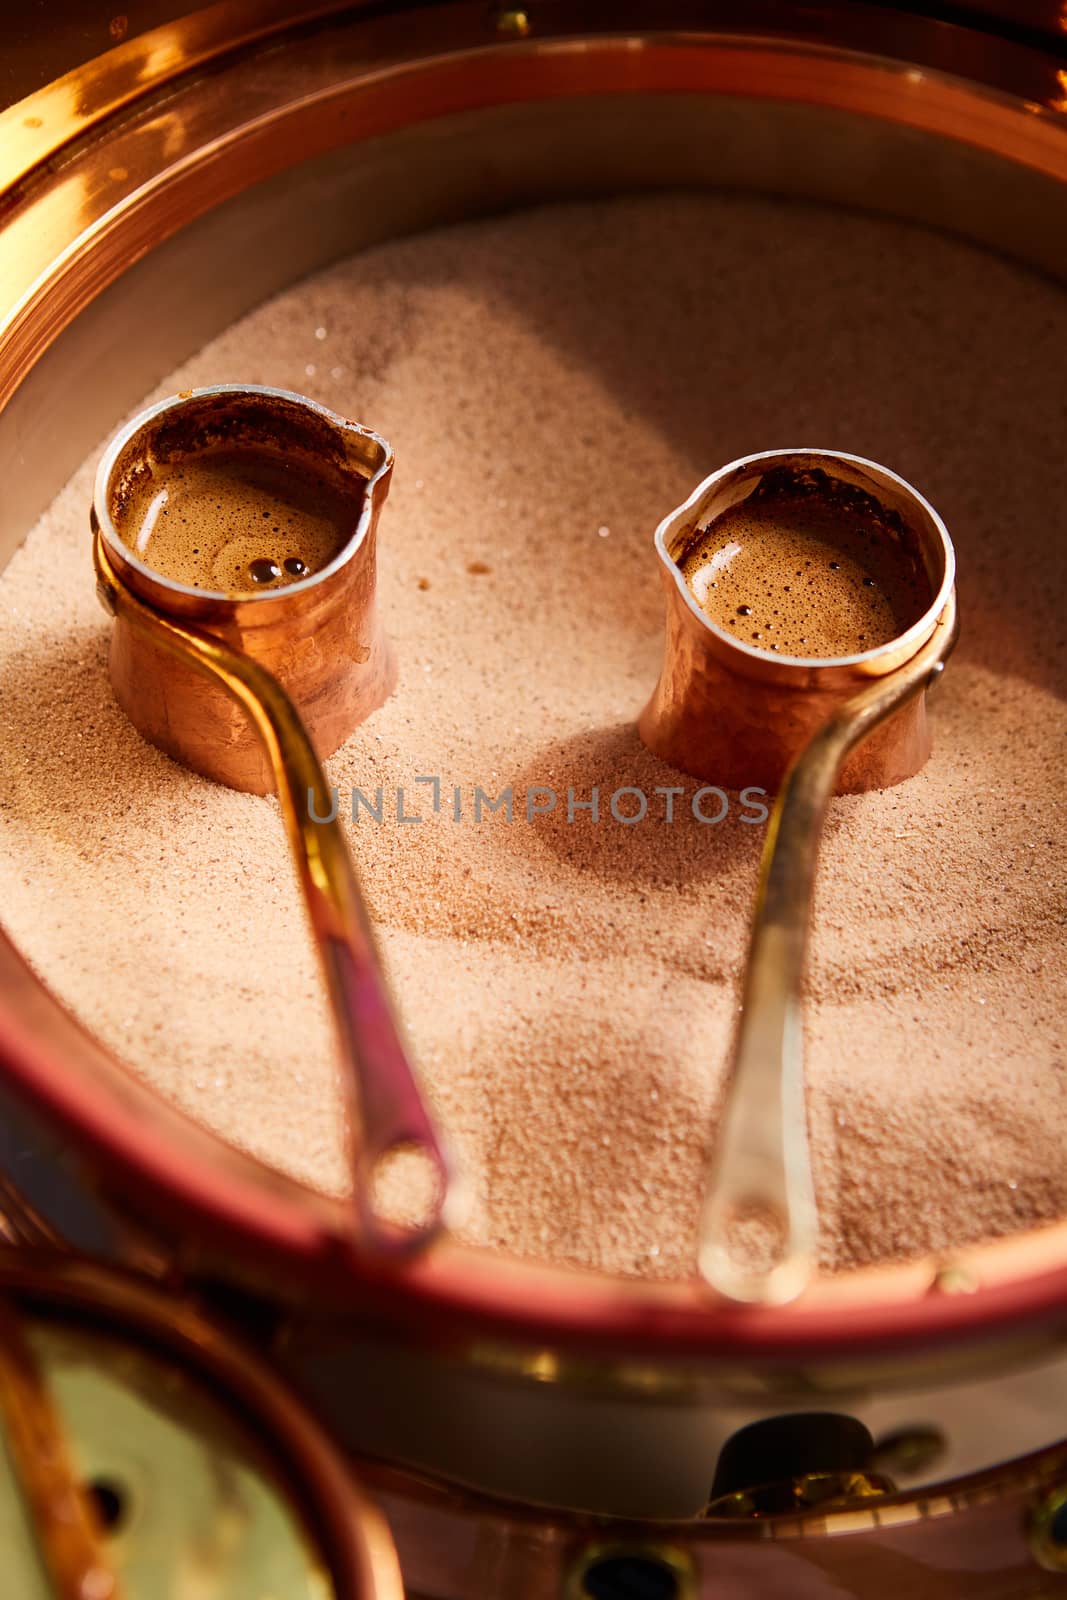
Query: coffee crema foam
239	520
807	566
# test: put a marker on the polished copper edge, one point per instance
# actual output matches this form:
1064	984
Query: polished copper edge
734	715
320	638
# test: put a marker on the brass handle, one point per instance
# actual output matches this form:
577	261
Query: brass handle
387	1112
761	1167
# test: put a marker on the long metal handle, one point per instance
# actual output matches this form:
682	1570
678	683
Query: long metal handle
760	1177
387	1112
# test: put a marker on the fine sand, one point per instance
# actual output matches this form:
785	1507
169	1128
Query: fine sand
553	383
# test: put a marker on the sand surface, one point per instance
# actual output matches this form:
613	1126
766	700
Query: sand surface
554	383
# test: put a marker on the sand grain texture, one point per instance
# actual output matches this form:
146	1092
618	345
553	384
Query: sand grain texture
570	989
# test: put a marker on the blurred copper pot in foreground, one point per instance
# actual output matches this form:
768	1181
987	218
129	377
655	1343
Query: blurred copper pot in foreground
735	715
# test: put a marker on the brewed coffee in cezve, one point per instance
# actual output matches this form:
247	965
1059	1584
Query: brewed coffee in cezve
239	520
807	565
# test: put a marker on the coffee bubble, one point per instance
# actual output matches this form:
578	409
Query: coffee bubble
863	584
239	521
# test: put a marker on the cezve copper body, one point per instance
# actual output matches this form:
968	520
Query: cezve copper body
734	715
320	638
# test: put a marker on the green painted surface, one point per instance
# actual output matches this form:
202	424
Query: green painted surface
199	1514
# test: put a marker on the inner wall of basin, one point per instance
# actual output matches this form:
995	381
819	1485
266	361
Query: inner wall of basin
649	1458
